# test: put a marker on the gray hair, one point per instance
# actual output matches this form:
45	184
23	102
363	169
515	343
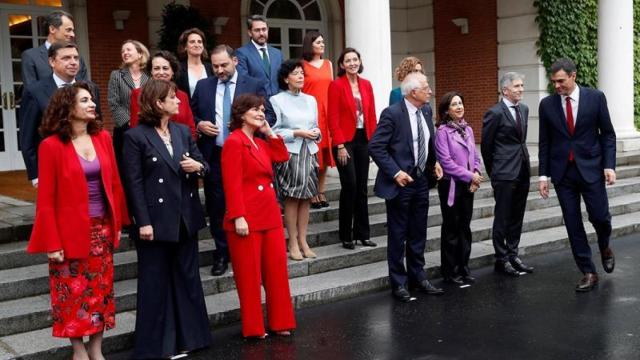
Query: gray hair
54	19
508	78
411	82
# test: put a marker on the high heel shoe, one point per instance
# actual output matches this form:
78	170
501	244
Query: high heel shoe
367	243
348	245
316	203
323	200
308	253
295	255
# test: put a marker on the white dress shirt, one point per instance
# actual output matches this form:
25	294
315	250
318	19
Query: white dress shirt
413	120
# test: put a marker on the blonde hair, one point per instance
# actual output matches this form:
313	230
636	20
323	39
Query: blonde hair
407	66
141	49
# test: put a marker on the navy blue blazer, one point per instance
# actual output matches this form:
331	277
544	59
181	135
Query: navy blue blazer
250	64
35	65
182	80
203	106
391	147
593	142
159	192
34	102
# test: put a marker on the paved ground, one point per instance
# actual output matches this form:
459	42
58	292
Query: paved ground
537	316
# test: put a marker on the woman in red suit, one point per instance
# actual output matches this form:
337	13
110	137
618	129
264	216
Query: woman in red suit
165	66
79	213
352	122
252	222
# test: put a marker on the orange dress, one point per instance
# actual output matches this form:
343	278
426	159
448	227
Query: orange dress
316	84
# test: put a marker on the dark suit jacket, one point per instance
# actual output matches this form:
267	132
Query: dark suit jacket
503	150
391	147
34	103
250	64
182	80
35	66
593	142
203	105
159	192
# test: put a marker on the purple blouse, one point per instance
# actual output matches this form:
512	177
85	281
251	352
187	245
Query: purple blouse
94	184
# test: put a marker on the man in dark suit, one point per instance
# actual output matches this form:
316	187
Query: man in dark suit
35	61
64	60
506	159
402	147
578	151
211	106
258	59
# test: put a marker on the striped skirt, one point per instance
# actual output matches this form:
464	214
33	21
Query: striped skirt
298	177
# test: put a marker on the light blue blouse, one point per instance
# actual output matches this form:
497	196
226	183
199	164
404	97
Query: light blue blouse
294	112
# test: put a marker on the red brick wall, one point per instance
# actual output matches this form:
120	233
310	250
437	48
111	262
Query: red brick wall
467	62
105	41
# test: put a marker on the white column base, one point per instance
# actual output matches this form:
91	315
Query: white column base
628	141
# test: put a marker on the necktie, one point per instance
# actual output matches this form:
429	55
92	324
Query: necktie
226	110
518	120
422	154
265	62
570	123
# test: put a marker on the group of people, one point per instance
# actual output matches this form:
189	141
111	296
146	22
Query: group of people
260	133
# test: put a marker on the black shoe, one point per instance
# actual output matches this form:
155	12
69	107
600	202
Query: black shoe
468	279
426	287
608	260
506	268
316	205
520	266
219	268
366	243
348	245
453	280
587	283
401	293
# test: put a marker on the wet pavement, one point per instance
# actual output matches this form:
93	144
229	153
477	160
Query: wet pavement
536	316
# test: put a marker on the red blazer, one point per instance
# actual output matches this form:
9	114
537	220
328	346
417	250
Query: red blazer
247	179
62	208
184	116
341	111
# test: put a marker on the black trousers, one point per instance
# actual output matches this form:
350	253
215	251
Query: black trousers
569	190
171	313
407	233
511	202
354	210
455	234
215	205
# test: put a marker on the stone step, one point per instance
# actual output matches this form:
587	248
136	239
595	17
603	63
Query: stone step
306	291
32	312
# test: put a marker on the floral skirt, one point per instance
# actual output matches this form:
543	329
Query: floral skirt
82	298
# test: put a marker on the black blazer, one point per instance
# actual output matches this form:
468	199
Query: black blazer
503	149
159	192
35	65
391	147
593	142
33	104
203	105
182	80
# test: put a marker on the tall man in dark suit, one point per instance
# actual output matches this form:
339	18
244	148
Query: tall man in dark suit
35	61
64	60
402	147
211	106
257	58
578	151
506	159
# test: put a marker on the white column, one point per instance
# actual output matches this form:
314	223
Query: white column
615	67
368	30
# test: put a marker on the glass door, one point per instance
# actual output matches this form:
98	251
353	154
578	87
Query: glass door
19	30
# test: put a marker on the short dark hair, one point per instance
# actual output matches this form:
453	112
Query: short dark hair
443	106
307	44
287	68
241	105
344	53
223	48
56	119
173	62
152	91
54	19
565	64
182	43
53	49
256	17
